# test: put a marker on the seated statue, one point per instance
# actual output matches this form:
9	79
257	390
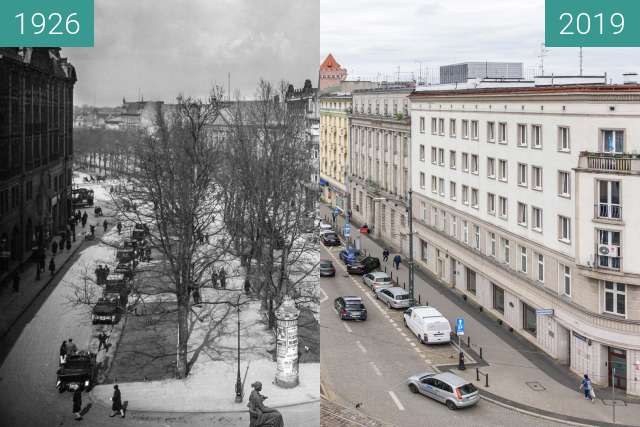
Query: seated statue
259	414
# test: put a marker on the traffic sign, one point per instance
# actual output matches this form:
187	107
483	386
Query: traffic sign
346	231
336	211
459	326
544	311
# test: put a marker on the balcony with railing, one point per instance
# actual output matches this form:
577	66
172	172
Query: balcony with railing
608	211
609	162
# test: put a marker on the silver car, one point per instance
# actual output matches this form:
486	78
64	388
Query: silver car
394	297
377	280
445	387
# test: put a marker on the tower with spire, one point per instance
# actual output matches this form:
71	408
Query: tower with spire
331	73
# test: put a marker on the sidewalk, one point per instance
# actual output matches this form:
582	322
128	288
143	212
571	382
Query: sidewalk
520	375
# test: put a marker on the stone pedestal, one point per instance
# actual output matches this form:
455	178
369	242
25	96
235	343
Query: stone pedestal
287	344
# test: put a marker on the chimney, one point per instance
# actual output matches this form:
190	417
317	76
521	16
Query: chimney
630	78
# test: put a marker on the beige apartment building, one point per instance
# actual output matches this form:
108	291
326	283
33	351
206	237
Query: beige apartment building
334	147
380	129
524	200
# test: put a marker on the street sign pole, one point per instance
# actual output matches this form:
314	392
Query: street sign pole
410	219
459	332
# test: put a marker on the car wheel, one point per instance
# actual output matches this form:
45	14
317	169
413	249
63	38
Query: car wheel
413	388
405	322
375	293
60	389
451	405
388	305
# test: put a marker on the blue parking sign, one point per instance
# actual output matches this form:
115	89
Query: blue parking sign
460	326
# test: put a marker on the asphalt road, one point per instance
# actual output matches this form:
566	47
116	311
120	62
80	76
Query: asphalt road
368	362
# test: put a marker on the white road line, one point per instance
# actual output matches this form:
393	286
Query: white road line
418	350
359	344
403	334
347	327
375	369
396	400
408	339
398	329
324	296
413	344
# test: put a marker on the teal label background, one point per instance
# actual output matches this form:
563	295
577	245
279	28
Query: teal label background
10	25
630	36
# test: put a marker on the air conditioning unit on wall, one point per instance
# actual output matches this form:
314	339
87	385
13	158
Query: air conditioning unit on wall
608	250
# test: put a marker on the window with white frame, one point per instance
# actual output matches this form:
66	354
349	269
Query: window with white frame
452	128
454	226
476	237
536	178
434	125
536	136
522	214
465	129
465	162
608	199
522	174
609	249
441	126
424	250
474	129
502	170
536	219
565	278
491	131
522	135
523	259
434	216
612	141
474	198
434	155
491	244
563	139
434	184
422	152
540	259
465	232
423	180
491	203
564	184
441	186
465	195
443	214
506	254
564	229
502	133
474	164
452	159
423	210
503	207
452	190
491	167
441	156
615	298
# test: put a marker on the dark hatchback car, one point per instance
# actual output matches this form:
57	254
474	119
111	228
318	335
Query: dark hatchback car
107	310
326	268
363	265
350	308
79	370
330	239
349	254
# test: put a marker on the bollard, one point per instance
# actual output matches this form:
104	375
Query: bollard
469	341
461	366
403	286
418	299
481	354
486	380
477	374
391	274
385	268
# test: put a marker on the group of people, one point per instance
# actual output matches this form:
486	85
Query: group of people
67	348
116	403
219	278
396	259
102	272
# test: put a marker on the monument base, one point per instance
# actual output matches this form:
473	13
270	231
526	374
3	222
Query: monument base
289	382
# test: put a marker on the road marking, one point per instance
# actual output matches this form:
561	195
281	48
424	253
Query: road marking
413	344
324	296
403	334
375	369
347	327
408	339
418	350
396	400
428	361
399	330
359	344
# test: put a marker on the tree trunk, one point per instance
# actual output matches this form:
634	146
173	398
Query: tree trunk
183	335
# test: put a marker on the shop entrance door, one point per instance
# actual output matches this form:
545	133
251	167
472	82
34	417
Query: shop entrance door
618	360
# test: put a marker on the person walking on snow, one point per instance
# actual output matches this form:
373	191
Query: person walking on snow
104	225
63	352
223	279
396	261
385	255
77	403
119	227
71	347
116	405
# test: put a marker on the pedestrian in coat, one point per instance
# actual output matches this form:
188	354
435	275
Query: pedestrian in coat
586	386
54	247
52	266
43	258
385	255
104	225
71	347
116	402
63	353
214	278
196	296
98	272
223	278
247	286
106	273
102	341
119	227
77	403
396	261
16	281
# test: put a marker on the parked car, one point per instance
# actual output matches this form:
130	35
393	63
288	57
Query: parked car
107	310
330	239
394	297
326	268
349	254
82	197
350	308
445	387
324	226
78	370
428	324
363	265
377	280
126	269
125	255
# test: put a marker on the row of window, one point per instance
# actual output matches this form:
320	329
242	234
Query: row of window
359	107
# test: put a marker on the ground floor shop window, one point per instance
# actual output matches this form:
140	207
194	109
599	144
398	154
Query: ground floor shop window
529	321
498	298
471	280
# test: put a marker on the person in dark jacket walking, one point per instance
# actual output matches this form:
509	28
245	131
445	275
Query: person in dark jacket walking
77	403
385	255
84	219
63	353
104	225
119	227
116	405
223	278
396	261
585	385
52	267
16	281
54	247
214	278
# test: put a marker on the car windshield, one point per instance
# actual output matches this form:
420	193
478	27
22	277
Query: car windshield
330	236
76	364
402	297
354	306
467	389
383	279
325	264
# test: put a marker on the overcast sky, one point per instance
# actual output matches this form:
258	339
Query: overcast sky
168	47
374	37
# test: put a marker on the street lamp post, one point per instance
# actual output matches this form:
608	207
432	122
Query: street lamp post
410	219
238	379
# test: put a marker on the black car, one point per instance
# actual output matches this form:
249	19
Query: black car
350	308
326	268
363	265
107	310
126	269
330	239
79	370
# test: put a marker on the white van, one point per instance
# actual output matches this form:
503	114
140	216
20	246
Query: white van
428	324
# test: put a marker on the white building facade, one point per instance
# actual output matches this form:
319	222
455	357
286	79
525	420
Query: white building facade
524	202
